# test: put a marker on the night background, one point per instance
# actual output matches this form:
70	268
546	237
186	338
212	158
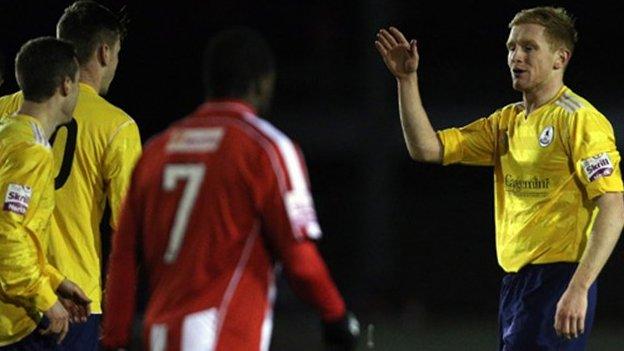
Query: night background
410	245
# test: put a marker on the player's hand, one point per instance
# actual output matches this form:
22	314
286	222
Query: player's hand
75	300
571	311
59	321
341	335
399	55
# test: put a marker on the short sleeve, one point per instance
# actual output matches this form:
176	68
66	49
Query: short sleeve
473	144
594	154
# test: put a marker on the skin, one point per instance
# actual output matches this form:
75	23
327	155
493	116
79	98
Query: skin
100	70
537	67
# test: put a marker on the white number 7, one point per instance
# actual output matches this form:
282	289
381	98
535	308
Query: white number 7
194	175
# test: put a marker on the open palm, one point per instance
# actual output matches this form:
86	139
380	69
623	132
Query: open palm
399	55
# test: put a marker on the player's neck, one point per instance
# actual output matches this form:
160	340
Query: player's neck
540	95
91	77
45	112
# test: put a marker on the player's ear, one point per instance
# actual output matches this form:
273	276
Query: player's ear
562	58
66	86
104	52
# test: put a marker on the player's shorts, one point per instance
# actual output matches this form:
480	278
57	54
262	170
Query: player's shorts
528	302
83	336
35	341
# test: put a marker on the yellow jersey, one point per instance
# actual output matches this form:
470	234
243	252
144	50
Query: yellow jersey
94	157
548	167
27	281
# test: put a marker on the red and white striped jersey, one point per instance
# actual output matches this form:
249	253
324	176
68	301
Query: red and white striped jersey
215	201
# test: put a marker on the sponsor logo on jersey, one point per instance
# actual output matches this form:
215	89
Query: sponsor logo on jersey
195	140
547	136
597	166
532	184
300	209
17	198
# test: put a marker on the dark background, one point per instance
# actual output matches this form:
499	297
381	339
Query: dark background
410	245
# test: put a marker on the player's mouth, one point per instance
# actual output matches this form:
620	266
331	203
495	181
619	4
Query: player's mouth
517	73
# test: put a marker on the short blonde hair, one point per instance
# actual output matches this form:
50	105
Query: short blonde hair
558	24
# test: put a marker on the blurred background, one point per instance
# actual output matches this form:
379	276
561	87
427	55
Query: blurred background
410	245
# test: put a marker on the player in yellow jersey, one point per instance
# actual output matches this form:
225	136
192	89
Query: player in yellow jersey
94	153
558	188
47	72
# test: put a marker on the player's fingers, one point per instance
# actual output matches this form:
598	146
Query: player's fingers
381	48
400	38
63	331
388	37
413	48
384	42
580	325
47	330
565	330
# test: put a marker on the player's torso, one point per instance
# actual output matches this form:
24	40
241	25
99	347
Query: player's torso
202	218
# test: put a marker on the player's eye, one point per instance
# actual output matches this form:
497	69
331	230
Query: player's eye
528	48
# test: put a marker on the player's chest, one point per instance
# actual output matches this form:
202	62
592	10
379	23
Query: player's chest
534	143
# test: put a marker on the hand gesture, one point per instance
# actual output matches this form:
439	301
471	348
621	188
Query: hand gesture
59	321
74	300
399	55
571	311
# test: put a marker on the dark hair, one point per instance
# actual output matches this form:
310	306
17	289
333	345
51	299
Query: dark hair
234	60
41	66
86	24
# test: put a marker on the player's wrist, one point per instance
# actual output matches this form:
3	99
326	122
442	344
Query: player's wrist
408	79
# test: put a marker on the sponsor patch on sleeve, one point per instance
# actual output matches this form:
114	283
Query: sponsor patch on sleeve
302	215
17	198
597	166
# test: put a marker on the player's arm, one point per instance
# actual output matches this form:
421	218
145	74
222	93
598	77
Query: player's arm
121	155
120	297
401	57
22	180
597	164
289	221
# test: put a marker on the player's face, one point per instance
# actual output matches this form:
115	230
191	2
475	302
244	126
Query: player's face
109	73
531	60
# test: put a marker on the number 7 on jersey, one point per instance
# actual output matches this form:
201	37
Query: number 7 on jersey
194	175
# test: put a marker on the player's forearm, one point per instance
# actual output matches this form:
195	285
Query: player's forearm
604	236
310	280
420	137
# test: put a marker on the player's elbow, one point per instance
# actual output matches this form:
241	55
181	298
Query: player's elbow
425	154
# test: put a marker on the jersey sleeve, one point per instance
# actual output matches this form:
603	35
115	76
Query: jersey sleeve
594	155
9	104
121	155
473	144
122	276
289	222
23	280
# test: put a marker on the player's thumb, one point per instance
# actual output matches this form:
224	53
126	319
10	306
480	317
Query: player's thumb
413	48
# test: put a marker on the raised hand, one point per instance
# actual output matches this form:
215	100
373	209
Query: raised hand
399	55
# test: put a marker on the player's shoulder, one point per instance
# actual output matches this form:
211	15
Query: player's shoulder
95	109
19	136
570	103
10	103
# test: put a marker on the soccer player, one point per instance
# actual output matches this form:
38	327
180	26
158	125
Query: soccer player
47	72
95	153
558	187
216	201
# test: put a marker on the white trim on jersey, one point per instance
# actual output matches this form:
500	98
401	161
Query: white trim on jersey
236	277
267	324
199	330
158	337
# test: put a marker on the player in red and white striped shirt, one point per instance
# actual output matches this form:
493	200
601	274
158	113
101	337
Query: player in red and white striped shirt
216	202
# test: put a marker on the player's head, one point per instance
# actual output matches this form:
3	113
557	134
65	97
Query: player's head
238	64
540	45
96	32
47	68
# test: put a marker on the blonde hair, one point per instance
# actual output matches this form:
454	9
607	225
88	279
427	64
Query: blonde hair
558	24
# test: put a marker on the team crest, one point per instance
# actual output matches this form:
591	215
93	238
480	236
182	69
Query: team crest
547	136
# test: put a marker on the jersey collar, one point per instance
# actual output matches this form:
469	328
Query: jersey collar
240	107
86	88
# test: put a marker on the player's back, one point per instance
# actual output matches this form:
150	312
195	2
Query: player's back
201	185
